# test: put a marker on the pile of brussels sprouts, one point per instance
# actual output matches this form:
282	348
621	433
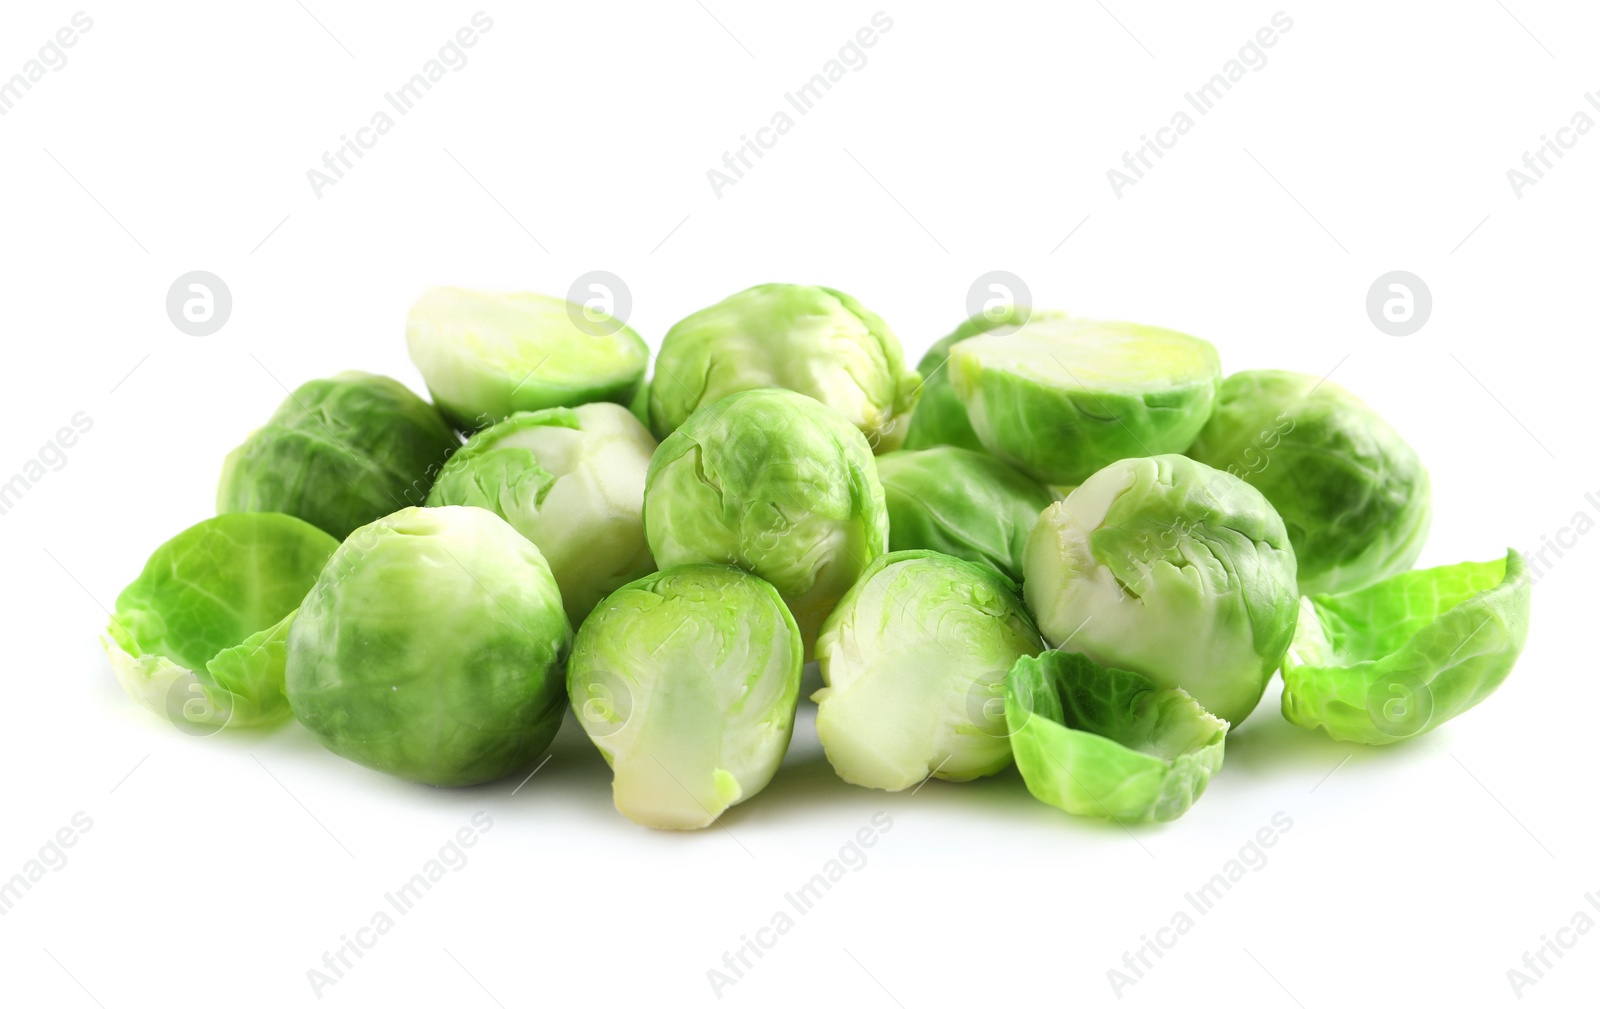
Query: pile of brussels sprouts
1066	543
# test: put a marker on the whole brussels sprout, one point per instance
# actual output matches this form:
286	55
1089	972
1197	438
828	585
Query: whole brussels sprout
915	661
1166	567
812	340
962	503
1060	398
486	355
687	681
570	480
200	635
777	484
339	453
1352	493
432	648
940	418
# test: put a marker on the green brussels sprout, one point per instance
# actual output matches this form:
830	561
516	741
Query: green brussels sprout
962	503
1109	743
1352	493
199	636
940	418
432	648
1402	657
1166	567
639	405
915	660
570	480
777	484
486	355
339	453
687	681
1061	398
812	340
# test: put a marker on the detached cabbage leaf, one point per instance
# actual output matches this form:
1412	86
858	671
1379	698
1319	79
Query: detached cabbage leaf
200	635
1408	654
1109	743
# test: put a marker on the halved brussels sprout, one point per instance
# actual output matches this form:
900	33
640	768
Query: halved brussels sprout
1060	398
915	660
962	503
432	647
1109	743
339	453
199	635
940	418
1404	656
687	680
1352	493
570	480
813	340
1168	568
486	355
777	484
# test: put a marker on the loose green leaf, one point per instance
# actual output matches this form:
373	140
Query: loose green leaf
199	635
1404	656
1109	743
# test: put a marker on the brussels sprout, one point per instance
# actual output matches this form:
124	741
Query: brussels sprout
199	635
687	681
1107	742
1166	567
339	453
915	660
1352	494
940	418
1404	656
813	340
572	481
486	355
1060	398
432	648
639	405
777	484
961	503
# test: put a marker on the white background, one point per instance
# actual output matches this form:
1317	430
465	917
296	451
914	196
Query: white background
577	137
